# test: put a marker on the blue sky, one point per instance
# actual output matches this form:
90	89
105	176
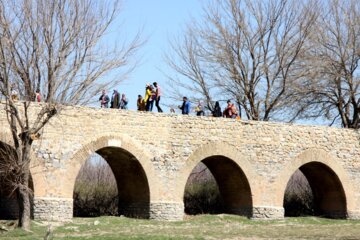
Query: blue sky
160	20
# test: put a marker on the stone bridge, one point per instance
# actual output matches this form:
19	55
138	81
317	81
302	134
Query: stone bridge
152	156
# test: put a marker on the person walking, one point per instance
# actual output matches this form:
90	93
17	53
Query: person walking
230	111
217	110
115	101
123	102
158	96
104	100
185	107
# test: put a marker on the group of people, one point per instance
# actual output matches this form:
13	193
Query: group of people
115	101
153	95
229	112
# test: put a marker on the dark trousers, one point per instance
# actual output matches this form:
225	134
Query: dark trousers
149	105
200	113
157	104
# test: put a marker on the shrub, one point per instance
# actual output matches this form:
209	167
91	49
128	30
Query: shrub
202	193
298	199
95	192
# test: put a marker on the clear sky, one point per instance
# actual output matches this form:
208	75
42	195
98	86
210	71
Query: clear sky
160	20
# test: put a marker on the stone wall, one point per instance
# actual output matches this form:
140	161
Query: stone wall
170	211
53	209
268	213
169	146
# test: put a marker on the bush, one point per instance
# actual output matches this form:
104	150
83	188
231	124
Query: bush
96	192
298	199
201	198
202	193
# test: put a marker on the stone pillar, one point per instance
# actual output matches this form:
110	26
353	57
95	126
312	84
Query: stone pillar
353	214
268	212
168	211
53	209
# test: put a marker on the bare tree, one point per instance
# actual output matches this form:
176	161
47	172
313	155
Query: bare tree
57	47
245	50
331	86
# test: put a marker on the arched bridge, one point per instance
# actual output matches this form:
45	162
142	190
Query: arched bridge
152	156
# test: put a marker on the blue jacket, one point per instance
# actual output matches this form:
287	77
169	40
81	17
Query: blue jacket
185	108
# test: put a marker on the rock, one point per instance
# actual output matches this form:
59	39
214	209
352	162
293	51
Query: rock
3	228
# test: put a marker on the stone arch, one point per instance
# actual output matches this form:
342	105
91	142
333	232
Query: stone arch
234	175
139	160
327	178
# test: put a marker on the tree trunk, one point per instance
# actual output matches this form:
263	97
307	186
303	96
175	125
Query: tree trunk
24	208
24	189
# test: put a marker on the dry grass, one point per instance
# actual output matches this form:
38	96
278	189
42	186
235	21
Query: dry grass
198	227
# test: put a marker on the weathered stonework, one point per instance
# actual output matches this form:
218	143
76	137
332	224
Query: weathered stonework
53	209
354	215
263	213
152	156
170	211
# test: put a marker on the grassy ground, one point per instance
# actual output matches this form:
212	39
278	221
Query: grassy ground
199	227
